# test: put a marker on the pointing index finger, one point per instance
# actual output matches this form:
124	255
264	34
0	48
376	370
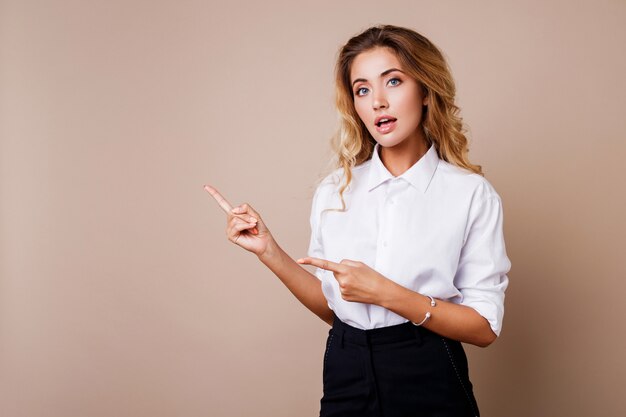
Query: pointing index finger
321	263
225	205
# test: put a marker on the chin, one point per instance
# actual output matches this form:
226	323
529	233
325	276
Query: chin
388	142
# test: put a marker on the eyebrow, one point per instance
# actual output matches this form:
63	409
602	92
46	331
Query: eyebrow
382	74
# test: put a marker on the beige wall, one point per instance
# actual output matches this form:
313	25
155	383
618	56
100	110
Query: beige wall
119	294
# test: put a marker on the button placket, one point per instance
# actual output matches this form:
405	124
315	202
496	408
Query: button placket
384	218
389	212
394	188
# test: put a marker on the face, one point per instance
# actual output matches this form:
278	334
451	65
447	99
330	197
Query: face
381	90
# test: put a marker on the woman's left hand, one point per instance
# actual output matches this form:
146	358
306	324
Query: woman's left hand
357	281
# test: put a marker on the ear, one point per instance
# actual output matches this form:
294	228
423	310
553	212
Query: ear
425	101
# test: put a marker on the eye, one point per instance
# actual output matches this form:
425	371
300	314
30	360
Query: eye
359	90
394	81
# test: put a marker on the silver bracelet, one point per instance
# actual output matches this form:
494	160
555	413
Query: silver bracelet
427	315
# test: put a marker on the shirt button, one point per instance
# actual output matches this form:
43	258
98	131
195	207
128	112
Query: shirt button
385	243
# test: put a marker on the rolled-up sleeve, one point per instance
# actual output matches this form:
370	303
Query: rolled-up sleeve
481	276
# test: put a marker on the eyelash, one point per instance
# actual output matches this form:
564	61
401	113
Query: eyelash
365	88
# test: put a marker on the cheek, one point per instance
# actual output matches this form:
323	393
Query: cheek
360	110
412	108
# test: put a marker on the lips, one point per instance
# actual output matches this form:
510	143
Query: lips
385	124
384	119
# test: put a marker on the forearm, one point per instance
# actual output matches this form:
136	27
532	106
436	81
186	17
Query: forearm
451	320
305	286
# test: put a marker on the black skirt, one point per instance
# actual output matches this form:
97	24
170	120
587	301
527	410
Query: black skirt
396	371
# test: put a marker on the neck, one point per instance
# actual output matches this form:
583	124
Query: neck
397	159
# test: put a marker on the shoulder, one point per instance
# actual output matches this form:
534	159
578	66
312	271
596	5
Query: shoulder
330	183
458	180
325	187
326	195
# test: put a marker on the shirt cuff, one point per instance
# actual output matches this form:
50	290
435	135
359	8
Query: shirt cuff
488	307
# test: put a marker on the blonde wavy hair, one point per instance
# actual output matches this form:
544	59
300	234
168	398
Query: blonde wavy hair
352	144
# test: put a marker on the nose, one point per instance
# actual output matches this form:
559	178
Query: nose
379	100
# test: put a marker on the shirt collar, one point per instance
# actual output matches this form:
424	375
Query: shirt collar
419	175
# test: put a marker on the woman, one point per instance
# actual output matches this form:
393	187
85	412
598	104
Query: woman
406	235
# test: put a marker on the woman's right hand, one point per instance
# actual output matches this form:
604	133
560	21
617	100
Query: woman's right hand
244	226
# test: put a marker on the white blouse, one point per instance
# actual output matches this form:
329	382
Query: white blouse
436	229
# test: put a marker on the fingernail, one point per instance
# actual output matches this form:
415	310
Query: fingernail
253	220
300	260
235	209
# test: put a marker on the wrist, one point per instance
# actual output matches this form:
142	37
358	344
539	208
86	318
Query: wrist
391	292
271	251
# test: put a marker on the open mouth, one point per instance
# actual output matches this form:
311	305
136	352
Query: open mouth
385	121
386	125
